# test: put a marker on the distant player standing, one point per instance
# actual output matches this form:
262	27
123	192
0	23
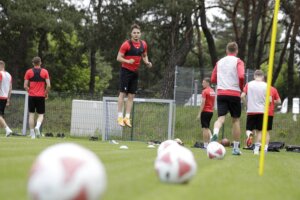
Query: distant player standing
274	100
228	74
37	83
5	92
130	54
256	98
206	109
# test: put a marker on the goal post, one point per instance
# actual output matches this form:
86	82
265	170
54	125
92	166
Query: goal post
16	115
152	119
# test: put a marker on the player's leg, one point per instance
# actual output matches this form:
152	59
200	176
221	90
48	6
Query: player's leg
269	128
235	110
40	109
120	108
205	122
123	91
222	106
259	124
8	131
129	104
31	110
132	88
249	131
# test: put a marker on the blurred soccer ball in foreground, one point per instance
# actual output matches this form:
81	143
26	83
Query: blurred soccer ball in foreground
176	164
215	150
66	172
166	144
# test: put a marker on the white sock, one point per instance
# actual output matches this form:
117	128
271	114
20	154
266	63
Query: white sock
248	133
205	144
38	125
120	114
236	144
127	115
32	132
266	147
7	129
216	131
257	145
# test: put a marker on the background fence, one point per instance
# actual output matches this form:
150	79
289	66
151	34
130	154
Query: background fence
186	126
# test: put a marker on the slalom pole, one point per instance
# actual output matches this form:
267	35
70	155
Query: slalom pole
269	81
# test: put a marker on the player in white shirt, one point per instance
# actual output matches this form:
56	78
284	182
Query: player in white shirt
256	97
5	92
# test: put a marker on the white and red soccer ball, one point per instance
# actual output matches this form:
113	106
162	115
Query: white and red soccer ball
175	164
166	144
66	172
215	150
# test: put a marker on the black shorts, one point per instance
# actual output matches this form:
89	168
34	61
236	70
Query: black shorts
205	119
256	122
2	106
128	81
36	104
229	103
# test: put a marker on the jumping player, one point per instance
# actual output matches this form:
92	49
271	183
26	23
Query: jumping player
130	54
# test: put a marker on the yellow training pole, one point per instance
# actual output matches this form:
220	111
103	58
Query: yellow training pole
269	81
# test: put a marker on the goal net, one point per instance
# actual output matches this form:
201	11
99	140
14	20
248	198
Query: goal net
152	119
16	114
87	118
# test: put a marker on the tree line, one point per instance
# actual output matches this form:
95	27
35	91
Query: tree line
79	43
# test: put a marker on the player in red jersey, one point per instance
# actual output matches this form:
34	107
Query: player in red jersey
37	84
130	55
206	109
5	92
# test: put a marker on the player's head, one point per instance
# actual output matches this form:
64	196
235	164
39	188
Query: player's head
135	32
206	82
259	75
36	61
232	48
2	64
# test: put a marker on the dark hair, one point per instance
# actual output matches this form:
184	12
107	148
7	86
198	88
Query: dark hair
133	26
207	79
36	60
2	62
232	47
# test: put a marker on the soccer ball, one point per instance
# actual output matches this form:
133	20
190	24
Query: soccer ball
175	164
166	144
215	150
66	171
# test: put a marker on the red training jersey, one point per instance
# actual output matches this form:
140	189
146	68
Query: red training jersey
209	95
36	89
273	97
126	47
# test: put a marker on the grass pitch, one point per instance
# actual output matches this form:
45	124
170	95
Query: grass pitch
131	174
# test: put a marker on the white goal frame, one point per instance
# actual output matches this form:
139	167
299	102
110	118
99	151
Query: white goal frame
171	113
25	114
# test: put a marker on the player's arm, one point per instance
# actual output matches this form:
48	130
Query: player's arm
241	73
48	87
201	107
213	77
146	60
122	59
26	85
244	100
9	94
